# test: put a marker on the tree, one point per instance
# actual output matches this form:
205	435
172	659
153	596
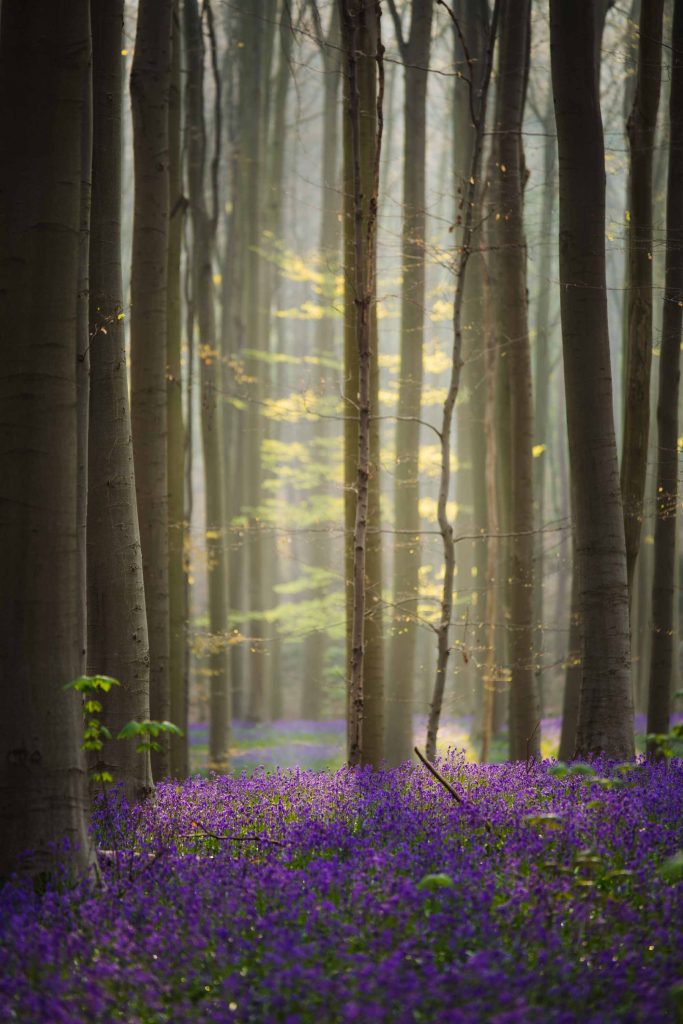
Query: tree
203	244
479	99
641	128
117	624
414	50
363	569
606	709
511	311
661	658
43	792
149	87
177	582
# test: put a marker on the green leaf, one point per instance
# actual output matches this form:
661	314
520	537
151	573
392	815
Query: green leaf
559	770
131	729
436	881
582	769
92	707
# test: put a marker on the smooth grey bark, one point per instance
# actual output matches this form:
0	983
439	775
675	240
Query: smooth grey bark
149	87
641	130
414	50
512	320
203	243
666	497
43	790
606	709
177	582
117	624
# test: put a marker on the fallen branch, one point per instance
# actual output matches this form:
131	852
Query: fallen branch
230	838
444	782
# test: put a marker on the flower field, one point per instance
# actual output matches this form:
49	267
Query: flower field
357	896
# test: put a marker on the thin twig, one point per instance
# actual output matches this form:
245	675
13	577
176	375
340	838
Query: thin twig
439	777
230	838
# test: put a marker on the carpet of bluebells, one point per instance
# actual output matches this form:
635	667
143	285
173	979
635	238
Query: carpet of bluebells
360	896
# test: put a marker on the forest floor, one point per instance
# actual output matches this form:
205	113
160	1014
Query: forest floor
545	894
321	746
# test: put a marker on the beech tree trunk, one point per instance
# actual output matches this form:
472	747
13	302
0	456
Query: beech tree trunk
44	63
606	708
364	611
663	631
641	128
510	296
177	586
149	86
209	369
117	623
407	547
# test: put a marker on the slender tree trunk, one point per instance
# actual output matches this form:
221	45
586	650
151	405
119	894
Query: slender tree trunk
209	368
508	192
362	139
117	623
445	527
641	128
43	791
493	527
415	54
178	610
315	645
572	679
663	631
83	358
149	85
543	385
606	710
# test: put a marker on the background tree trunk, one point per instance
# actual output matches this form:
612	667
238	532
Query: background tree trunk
43	792
407	547
642	124
662	654
149	86
606	709
117	623
177	591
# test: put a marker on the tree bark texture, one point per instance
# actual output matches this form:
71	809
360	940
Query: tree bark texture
149	86
362	140
177	584
510	295
44	61
117	624
641	129
210	381
606	709
666	497
415	55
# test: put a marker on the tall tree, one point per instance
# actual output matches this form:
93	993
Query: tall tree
414	50
117	624
43	793
149	86
479	99
663	631
511	310
641	128
363	564
606	708
177	586
203	245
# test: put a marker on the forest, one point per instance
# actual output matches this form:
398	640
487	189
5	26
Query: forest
341	563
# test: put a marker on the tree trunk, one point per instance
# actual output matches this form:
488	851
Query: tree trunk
661	658
641	128
209	368
149	87
361	44
606	711
177	590
407	547
117	623
43	792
